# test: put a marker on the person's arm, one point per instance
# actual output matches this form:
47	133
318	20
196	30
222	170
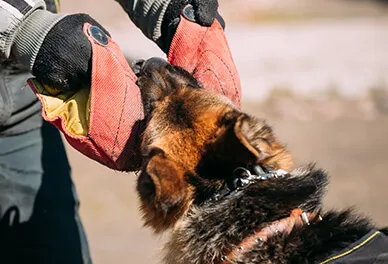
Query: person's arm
191	33
52	46
159	19
82	79
12	16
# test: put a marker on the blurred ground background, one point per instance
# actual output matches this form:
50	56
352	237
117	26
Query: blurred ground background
316	69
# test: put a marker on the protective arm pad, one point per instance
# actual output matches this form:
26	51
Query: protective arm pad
147	15
103	122
204	52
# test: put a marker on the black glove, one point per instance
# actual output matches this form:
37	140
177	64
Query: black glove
202	12
158	19
63	59
205	11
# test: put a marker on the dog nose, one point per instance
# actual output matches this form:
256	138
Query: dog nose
137	66
152	65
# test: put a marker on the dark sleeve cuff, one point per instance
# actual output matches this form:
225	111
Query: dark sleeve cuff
31	35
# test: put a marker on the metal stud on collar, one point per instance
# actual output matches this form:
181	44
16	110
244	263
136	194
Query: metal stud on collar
243	177
259	240
241	248
305	218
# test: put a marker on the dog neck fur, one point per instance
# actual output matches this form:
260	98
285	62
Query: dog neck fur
207	231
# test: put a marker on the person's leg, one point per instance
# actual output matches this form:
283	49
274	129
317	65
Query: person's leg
39	221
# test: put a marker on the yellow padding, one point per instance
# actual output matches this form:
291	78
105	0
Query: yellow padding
57	6
352	249
72	107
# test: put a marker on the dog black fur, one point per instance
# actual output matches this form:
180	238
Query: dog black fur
209	229
203	231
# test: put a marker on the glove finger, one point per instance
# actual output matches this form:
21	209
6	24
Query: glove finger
205	11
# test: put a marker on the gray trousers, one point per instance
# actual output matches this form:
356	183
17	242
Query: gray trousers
39	220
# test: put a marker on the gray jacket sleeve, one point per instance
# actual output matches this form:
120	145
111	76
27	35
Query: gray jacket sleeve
23	27
147	15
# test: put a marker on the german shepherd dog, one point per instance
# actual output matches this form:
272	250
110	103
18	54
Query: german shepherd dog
229	190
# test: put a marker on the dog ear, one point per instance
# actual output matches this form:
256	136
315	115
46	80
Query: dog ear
163	191
255	143
253	137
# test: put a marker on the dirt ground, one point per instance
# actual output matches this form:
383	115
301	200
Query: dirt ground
311	56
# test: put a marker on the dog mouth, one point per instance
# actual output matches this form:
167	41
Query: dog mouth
162	73
137	66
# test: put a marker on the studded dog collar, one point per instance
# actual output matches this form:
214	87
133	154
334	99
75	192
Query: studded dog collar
242	178
297	218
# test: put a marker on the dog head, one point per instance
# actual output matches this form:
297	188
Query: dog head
193	141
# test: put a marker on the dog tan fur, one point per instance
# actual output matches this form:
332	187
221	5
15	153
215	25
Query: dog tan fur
188	128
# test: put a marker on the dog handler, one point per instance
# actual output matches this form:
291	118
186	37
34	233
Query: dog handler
84	87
